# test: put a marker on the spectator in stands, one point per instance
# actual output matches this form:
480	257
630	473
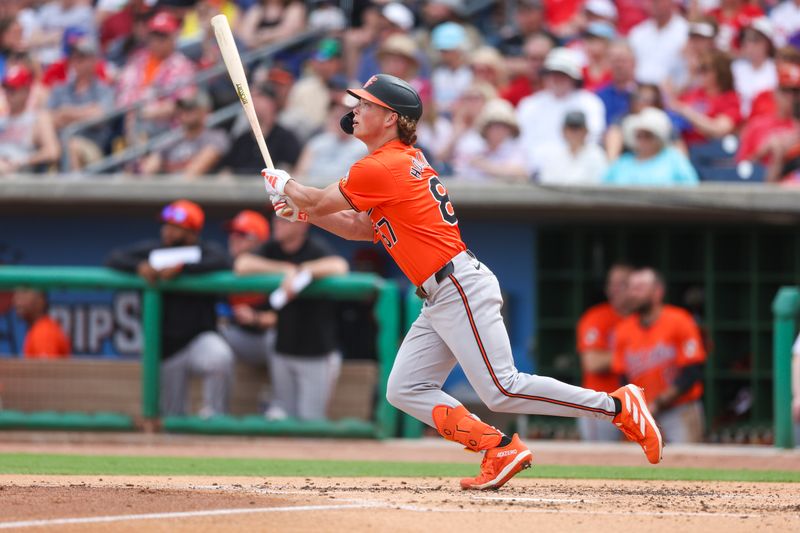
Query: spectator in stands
11	42
244	156
597	39
198	150
645	95
362	44
653	162
464	134
770	138
49	22
306	362
541	115
125	32
60	71
701	42
600	11
754	72
190	343
330	154
309	98
616	95
84	97
732	16
158	69
659	348
785	18
271	21
528	20
571	160
595	340
28	141
496	154
45	338
563	17
399	56
251	333
452	75
489	66
658	41
711	111
526	71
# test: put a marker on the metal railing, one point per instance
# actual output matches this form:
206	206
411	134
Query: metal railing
357	285
248	58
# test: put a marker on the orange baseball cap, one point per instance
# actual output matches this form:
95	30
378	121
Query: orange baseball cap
250	223
185	214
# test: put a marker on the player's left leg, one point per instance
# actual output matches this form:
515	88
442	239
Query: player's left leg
212	358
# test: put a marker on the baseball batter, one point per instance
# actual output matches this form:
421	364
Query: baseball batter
394	196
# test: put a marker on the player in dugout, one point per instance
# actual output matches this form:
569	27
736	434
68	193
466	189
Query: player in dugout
190	343
394	196
595	337
659	347
45	338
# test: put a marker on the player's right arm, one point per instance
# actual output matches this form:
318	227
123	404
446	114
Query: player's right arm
346	224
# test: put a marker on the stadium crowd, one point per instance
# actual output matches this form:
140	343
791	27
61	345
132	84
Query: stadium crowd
624	92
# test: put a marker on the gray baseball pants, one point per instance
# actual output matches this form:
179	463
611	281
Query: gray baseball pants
683	423
461	323
250	347
302	386
207	356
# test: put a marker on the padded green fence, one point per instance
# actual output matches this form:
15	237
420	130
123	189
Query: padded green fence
785	308
352	286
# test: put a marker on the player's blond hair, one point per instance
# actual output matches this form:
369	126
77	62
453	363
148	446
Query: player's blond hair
407	130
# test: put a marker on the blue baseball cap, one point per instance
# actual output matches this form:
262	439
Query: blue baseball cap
449	36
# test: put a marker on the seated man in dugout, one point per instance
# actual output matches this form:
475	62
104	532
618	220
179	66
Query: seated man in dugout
45	338
190	343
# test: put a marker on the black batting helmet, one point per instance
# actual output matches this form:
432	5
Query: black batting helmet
389	92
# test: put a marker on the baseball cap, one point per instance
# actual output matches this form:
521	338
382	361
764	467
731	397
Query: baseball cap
449	36
601	29
763	26
401	45
602	8
565	61
702	29
17	77
185	214
164	22
399	15
328	49
250	223
196	99
575	119
497	111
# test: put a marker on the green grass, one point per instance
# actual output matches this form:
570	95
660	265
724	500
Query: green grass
21	463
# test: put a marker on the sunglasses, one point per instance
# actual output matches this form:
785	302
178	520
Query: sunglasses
174	214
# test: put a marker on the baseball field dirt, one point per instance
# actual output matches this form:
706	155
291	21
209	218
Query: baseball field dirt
35	495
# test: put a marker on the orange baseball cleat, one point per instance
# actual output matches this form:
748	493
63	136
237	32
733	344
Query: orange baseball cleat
636	422
499	465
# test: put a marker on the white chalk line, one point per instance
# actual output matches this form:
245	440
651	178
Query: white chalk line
182	514
374	504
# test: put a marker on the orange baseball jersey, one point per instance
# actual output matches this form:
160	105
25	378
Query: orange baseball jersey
46	340
651	357
409	208
596	332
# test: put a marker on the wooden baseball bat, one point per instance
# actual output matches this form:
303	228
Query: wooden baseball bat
233	62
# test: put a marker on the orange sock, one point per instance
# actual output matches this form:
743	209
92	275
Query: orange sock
459	425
